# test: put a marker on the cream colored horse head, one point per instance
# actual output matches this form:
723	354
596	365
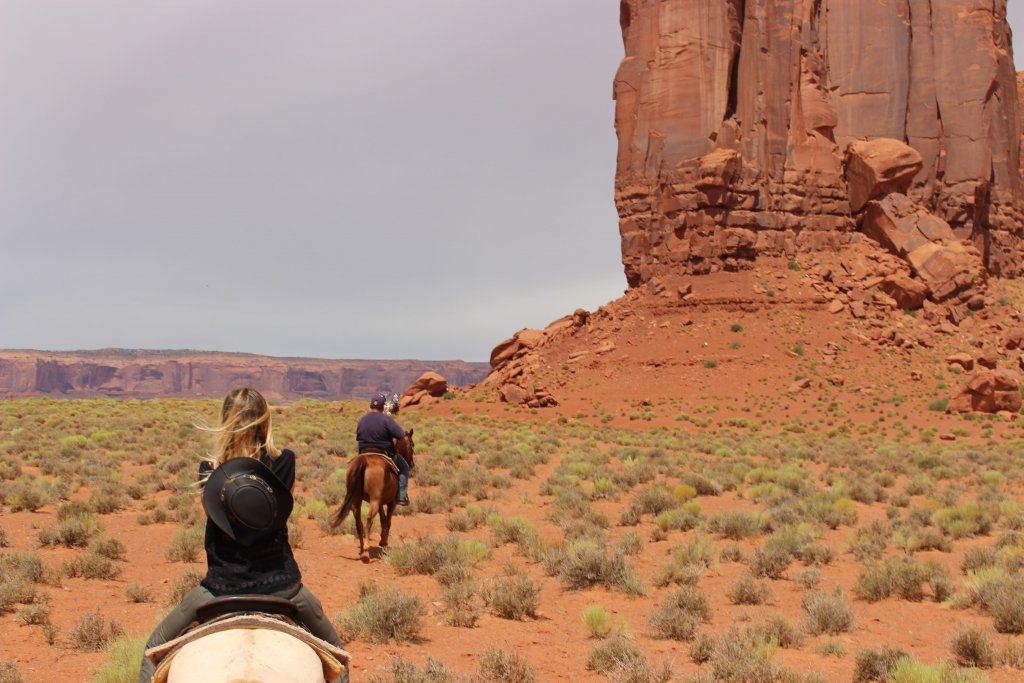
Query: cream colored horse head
246	655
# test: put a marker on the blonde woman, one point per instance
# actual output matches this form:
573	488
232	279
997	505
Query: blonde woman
247	498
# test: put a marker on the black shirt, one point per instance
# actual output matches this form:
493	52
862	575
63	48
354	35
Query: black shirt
264	567
377	430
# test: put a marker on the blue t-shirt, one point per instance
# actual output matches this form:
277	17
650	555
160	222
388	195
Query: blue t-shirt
377	430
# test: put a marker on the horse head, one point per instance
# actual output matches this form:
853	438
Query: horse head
406	447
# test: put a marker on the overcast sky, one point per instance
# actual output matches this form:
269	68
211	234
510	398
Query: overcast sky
385	179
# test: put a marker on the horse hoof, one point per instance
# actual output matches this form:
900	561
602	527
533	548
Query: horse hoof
365	558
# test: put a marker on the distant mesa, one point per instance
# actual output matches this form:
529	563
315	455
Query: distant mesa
188	374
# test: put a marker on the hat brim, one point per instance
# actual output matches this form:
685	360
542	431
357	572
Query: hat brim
218	514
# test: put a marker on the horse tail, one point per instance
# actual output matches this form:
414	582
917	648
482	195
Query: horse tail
353	483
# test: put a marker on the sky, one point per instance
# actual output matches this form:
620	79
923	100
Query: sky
321	178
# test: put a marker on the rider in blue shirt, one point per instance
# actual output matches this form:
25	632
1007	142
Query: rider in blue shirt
377	431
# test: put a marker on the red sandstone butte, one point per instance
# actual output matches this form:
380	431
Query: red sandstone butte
734	119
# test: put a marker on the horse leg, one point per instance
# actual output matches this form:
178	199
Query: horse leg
374	511
357	512
385	523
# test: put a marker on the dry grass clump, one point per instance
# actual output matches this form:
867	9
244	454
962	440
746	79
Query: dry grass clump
9	673
91	565
517	530
448	558
828	613
138	593
687	563
514	596
91	632
744	655
973	648
19	574
583	563
462	604
382	615
615	652
183	584
906	578
747	590
1006	605
186	545
597	621
502	666
681	614
123	656
735	525
74	531
406	672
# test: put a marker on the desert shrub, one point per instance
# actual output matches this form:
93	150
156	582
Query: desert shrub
828	612
91	632
21	565
614	652
108	547
461	602
654	500
909	670
26	494
972	648
681	614
16	590
597	621
448	557
731	553
35	614
776	629
406	672
979	557
430	502
4	541
869	542
904	577
107	498
502	666
831	648
381	615
584	563
876	665
770	563
808	577
9	673
470	517
91	565
182	585
747	590
514	596
702	484
1006	605
686	563
735	525
74	532
135	592
740	655
122	665
966	519
679	519
630	543
517	530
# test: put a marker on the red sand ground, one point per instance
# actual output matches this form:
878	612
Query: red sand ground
660	356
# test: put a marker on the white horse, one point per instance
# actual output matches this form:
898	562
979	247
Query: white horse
248	649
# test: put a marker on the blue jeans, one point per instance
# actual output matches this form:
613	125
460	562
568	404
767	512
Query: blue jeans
403	475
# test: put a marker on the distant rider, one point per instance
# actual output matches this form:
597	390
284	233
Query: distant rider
377	431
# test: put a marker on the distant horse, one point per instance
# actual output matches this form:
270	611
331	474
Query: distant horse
371	479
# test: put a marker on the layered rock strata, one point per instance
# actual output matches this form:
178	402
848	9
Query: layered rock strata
735	117
154	374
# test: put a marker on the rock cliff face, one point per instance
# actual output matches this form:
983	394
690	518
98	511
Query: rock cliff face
151	374
734	120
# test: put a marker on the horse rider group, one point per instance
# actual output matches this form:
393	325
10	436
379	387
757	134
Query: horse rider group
247	498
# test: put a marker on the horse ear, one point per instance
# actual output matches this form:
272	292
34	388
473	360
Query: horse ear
409	433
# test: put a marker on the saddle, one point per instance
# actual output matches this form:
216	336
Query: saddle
387	458
248	612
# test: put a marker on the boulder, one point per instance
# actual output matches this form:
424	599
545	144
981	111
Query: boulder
1015	338
962	359
879	166
513	393
901	225
909	294
988	391
948	269
430	382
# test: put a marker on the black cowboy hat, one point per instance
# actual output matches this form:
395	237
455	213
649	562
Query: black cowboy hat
246	500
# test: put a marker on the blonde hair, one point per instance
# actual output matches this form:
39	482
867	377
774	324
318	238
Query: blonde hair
245	429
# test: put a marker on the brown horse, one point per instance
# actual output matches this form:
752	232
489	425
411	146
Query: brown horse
371	479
